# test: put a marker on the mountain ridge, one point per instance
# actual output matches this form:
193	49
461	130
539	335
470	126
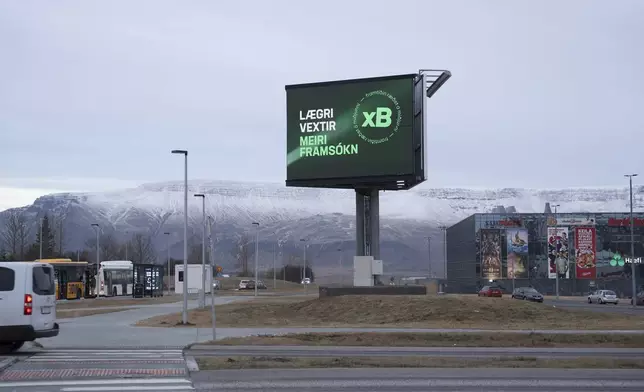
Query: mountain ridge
325	217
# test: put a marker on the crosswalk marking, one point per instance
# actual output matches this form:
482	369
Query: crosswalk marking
143	384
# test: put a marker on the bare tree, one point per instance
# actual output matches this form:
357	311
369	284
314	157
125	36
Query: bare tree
15	234
110	248
243	253
142	250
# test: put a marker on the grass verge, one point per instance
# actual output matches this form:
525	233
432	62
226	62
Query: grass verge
403	311
405	339
63	314
412	362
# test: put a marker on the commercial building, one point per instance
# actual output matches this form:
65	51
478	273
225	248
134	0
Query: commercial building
589	251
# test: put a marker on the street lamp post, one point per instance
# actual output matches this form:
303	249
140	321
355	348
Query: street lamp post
341	266
167	247
303	240
256	254
274	271
127	245
429	258
202	297
633	280
96	227
184	313
40	239
556	258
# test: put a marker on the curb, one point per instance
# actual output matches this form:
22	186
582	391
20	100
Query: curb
191	363
7	362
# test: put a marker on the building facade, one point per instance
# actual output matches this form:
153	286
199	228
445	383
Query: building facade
588	251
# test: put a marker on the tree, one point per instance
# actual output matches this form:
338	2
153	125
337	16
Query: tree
142	250
48	238
15	234
110	248
243	253
293	273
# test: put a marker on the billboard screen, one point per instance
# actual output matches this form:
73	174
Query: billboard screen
338	132
558	253
491	254
517	249
585	253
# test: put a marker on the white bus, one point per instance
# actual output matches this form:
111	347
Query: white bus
115	277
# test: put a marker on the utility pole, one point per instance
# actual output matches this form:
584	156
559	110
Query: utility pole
556	258
256	254
429	258
97	227
202	296
633	265
274	270
167	247
184	312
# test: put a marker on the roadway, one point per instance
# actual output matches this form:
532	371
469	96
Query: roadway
420	380
623	307
453	352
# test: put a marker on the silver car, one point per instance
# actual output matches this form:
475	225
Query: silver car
603	297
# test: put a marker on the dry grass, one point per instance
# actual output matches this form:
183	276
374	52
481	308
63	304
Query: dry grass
403	311
63	314
412	362
406	339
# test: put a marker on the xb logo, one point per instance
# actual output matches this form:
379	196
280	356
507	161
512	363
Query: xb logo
382	118
377	117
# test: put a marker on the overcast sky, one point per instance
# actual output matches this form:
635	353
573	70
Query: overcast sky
95	94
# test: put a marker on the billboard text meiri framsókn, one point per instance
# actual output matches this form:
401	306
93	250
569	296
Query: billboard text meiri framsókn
354	129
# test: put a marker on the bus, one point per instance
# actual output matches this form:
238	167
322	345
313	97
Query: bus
115	277
70	277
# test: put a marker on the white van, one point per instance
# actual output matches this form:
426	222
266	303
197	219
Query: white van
27	303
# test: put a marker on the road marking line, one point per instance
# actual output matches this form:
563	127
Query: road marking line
142	381
131	388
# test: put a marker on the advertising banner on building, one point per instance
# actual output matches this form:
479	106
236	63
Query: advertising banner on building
558	252
585	220
517	247
491	254
585	257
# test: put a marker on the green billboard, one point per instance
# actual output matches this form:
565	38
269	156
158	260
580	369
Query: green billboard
341	134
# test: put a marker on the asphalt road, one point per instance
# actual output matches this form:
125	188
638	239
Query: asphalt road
420	380
624	307
453	352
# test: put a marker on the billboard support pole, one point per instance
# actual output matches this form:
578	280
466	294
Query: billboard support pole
368	223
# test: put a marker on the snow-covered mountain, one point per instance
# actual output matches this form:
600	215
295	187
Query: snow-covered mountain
324	217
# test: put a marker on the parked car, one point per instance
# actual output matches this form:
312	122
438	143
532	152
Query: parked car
216	285
243	284
603	297
261	285
640	299
489	291
306	281
527	294
27	304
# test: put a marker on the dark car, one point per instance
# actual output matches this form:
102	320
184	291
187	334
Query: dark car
640	299
527	294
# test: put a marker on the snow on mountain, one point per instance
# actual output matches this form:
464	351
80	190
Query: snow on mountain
324	216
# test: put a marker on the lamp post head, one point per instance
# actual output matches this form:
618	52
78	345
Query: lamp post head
630	175
166	233
95	225
183	152
199	195
256	224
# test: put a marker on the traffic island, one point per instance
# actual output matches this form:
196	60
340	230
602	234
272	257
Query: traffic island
413	362
399	311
